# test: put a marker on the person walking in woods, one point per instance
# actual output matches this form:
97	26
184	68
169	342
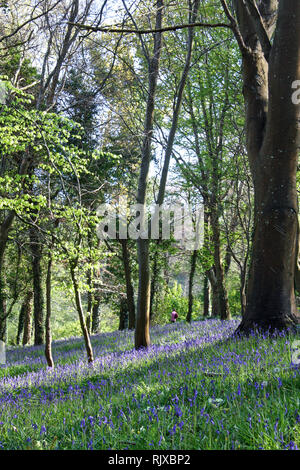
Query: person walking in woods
174	316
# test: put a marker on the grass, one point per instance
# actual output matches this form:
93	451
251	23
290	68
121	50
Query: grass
196	387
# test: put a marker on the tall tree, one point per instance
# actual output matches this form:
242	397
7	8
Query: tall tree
142	336
272	118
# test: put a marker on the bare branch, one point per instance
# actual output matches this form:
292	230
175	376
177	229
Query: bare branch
111	29
28	21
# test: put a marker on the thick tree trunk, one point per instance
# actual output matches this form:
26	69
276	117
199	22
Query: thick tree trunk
38	296
129	286
271	295
27	318
272	142
191	283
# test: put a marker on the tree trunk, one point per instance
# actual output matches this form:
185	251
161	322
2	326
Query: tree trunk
123	313
221	291
206	245
88	321
205	296
38	296
20	323
142	335
129	286
3	314
87	341
143	245
96	315
4	232
27	318
214	293
3	324
48	344
191	282
272	143
93	303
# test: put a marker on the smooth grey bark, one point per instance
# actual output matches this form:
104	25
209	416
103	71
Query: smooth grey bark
142	337
272	121
215	309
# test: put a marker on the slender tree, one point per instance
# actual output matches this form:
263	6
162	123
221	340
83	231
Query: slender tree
27	317
48	339
142	336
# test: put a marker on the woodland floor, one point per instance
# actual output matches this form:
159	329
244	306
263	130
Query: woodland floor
196	387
